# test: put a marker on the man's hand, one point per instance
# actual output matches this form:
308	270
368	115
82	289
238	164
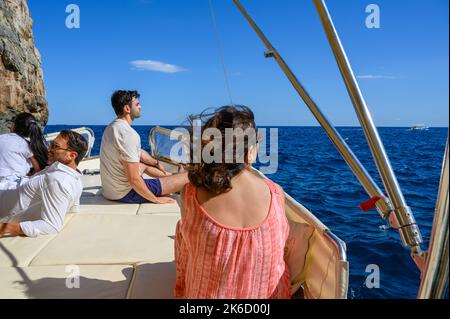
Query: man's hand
147	159
162	169
10	230
165	200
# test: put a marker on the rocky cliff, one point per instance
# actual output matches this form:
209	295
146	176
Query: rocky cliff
21	81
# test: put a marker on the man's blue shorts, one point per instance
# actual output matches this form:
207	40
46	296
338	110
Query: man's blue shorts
154	185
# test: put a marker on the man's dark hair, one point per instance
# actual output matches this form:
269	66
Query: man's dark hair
121	98
75	142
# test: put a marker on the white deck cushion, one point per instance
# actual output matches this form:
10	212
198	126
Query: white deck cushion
100	205
146	209
49	282
20	251
112	239
153	281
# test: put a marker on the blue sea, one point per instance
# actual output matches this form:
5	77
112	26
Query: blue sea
312	171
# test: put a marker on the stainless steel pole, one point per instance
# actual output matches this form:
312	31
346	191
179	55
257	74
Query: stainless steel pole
383	206
435	274
403	217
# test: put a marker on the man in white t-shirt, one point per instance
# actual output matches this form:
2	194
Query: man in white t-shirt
38	207
123	162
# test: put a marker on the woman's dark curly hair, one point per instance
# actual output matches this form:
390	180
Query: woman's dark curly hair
216	176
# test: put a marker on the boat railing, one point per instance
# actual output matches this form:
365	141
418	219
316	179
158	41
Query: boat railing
435	271
168	145
392	207
383	205
86	132
401	216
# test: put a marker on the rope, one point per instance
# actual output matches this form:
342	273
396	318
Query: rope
219	48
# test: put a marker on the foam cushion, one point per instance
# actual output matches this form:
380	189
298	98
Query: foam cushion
112	239
100	205
50	282
159	209
20	251
153	281
297	247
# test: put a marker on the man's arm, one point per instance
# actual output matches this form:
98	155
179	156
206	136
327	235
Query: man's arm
137	183
10	230
146	158
56	201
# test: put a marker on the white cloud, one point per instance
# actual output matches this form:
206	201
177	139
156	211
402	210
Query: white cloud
156	66
376	77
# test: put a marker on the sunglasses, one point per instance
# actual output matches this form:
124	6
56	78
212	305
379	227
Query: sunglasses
56	147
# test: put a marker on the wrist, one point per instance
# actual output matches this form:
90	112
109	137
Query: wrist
10	229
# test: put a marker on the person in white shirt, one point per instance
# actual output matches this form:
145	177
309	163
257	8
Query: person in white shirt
123	162
23	152
38	207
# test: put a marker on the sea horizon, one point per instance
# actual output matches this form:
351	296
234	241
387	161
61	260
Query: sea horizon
175	125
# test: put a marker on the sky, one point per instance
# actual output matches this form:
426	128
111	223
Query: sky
168	50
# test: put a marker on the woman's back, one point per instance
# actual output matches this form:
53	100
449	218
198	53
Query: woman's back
232	245
245	205
15	155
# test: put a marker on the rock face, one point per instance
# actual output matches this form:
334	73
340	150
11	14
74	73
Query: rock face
21	81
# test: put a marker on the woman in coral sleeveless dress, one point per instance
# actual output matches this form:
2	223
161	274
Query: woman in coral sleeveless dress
231	238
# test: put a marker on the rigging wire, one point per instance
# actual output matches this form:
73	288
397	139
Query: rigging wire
219	48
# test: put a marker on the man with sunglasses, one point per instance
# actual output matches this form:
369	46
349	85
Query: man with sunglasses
38	206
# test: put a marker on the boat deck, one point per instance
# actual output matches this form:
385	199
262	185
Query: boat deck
118	250
110	250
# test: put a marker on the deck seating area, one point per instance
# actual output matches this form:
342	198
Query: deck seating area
127	251
121	250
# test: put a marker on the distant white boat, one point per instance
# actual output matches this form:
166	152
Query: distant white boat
419	127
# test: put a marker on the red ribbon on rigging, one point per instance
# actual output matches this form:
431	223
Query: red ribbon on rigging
369	204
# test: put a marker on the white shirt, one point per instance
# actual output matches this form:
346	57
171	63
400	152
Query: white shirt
41	203
15	154
120	142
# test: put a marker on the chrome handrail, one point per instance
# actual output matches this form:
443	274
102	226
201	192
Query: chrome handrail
402	217
80	130
152	142
383	205
435	273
